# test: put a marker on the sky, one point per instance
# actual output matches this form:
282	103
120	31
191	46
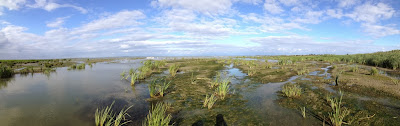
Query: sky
36	29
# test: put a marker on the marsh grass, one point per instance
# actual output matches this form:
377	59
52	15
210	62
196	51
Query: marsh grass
5	71
209	101
303	71
217	80
223	89
374	71
81	66
303	112
395	81
291	90
192	79
338	112
158	90
354	69
106	116
158	116
173	69
134	77
123	74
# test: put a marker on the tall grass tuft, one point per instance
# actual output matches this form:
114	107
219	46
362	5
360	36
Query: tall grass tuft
374	71
81	66
173	69
338	112
303	112
162	88
134	77
291	90
395	81
158	116
106	117
216	80
158	90
123	74
192	79
209	101
5	71
223	89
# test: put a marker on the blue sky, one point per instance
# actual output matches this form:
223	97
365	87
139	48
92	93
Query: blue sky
104	28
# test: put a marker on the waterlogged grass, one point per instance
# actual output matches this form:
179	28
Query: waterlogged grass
374	71
338	111
158	87
173	69
5	71
134	77
106	116
223	88
158	116
291	90
209	101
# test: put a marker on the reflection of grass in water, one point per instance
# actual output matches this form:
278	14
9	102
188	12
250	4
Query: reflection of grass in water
157	116
106	117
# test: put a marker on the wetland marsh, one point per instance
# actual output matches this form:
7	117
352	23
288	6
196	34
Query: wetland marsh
262	90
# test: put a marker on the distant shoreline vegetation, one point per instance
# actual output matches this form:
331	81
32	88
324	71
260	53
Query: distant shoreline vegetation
388	59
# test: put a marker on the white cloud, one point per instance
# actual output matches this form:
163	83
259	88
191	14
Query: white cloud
335	13
289	2
121	19
207	7
295	44
50	6
12	4
379	31
272	7
58	22
254	2
347	3
372	13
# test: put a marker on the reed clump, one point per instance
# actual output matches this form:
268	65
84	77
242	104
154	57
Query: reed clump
173	69
374	71
158	116
5	71
223	89
106	116
338	111
291	90
158	88
209	101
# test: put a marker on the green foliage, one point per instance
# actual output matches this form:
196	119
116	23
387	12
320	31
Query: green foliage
395	81
157	88
338	112
223	88
81	66
291	90
158	116
123	74
173	69
302	71
209	101
192	79
134	77
354	69
106	117
303	112
374	71
5	71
